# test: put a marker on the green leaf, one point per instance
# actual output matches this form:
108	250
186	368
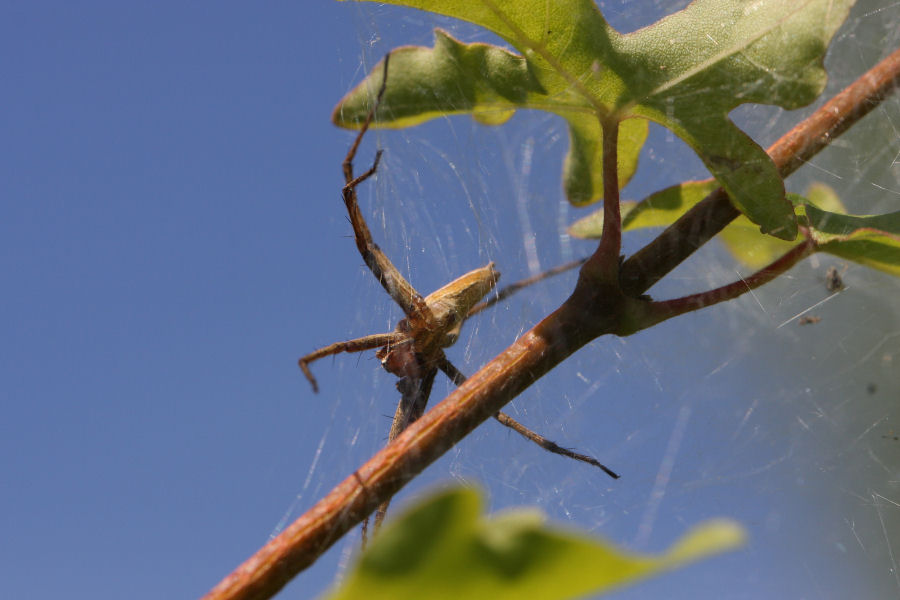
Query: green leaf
444	548
450	78
872	240
686	72
824	197
736	51
489	83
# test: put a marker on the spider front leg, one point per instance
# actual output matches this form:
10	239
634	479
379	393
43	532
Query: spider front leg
402	292
368	342
504	419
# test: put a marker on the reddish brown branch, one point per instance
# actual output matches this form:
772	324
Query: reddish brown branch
590	311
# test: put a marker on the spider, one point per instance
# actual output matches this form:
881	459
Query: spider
834	282
414	351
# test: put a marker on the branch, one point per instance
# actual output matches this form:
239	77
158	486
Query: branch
592	310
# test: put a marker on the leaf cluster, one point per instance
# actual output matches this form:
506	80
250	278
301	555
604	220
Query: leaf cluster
685	72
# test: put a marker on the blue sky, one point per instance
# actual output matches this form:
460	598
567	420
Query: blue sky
172	240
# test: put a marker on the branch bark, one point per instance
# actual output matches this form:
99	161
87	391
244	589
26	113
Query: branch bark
595	308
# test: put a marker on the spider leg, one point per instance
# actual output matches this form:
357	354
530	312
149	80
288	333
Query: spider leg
549	445
458	378
402	292
358	345
414	397
508	290
413	400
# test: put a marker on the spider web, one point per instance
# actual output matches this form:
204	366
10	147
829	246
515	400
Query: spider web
734	411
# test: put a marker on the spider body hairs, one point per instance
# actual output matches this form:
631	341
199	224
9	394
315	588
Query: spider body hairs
414	350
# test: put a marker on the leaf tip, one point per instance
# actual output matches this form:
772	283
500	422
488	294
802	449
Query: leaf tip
711	537
786	231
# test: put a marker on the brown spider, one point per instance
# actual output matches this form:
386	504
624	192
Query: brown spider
414	350
834	282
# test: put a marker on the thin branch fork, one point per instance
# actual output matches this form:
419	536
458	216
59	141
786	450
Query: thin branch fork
667	309
580	319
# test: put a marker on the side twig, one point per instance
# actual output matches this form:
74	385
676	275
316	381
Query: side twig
666	309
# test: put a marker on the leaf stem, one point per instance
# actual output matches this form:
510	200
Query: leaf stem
603	266
611	236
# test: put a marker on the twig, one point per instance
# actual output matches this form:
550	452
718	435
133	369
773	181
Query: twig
666	309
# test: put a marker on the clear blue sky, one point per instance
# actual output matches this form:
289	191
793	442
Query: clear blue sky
172	240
